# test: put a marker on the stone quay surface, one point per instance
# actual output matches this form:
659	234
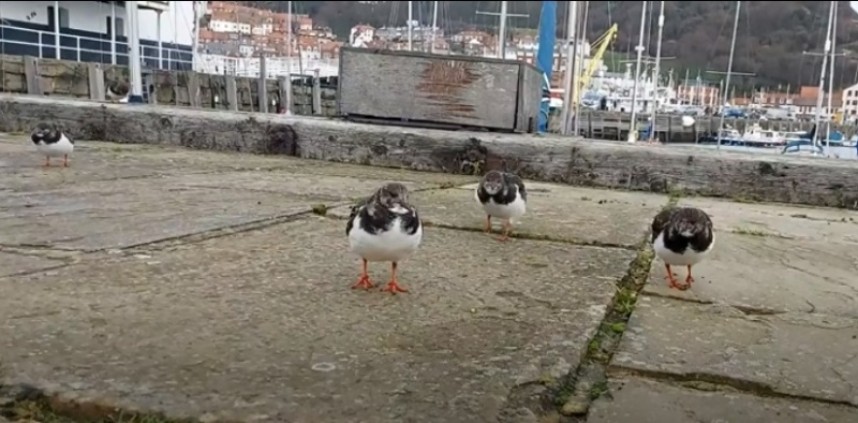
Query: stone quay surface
215	286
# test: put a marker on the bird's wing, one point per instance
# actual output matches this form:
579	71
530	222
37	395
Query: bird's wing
356	208
518	183
660	221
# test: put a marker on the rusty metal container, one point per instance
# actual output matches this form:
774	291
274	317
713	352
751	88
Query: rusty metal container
433	90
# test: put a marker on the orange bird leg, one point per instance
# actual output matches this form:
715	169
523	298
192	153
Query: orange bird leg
392	286
488	228
506	228
363	281
672	279
66	160
689	279
47	161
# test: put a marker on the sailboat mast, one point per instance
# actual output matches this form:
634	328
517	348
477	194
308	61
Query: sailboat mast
434	26
571	19
579	64
640	49
821	90
410	18
657	69
831	76
729	72
502	31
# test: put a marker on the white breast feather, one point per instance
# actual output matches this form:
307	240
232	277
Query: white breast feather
59	148
391	245
688	258
513	210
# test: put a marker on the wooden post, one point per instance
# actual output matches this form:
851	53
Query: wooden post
263	86
668	135
96	81
33	75
231	93
285	85
194	89
149	81
317	93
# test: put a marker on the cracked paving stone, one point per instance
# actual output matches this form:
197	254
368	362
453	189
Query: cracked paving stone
262	324
770	275
791	221
557	212
799	354
11	263
636	400
117	214
21	168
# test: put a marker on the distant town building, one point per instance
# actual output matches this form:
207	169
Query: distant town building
243	31
850	103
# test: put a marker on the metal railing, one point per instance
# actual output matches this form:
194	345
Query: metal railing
30	42
25	41
274	66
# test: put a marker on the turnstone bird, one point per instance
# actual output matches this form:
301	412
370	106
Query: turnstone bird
502	195
682	236
384	227
52	142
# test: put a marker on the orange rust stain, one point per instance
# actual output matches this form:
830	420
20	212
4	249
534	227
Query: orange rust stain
442	82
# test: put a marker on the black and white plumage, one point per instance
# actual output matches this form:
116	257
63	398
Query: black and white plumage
502	195
682	236
384	227
51	141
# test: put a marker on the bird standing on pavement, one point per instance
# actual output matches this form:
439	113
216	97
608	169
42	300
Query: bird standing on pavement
384	227
682	236
502	195
52	142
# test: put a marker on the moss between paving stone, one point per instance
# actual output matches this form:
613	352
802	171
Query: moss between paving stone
42	409
572	397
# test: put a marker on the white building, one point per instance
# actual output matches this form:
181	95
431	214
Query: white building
85	28
850	103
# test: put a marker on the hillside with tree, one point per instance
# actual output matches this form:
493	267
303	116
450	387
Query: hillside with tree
770	42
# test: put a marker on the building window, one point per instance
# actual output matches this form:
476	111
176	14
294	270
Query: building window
64	17
120	26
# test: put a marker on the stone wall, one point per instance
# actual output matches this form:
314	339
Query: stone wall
673	169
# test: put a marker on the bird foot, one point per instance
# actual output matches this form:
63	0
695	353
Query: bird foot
675	283
689	280
363	283
488	228
502	238
393	288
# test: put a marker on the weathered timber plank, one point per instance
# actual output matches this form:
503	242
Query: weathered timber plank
443	89
800	180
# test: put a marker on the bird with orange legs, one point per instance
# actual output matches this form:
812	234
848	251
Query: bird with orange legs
384	227
51	141
682	236
502	195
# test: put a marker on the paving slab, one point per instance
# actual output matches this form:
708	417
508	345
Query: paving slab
94	160
636	400
124	213
774	258
554	211
262	325
11	263
789	221
801	354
